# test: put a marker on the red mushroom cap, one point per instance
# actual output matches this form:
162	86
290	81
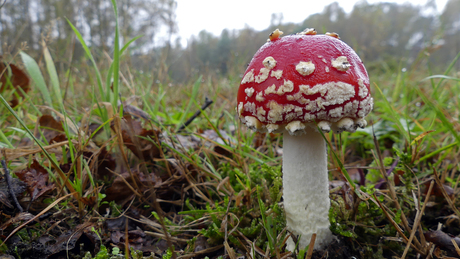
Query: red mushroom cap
300	79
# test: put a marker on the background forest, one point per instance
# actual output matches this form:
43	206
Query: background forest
385	35
122	141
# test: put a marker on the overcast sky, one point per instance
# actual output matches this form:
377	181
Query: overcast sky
192	16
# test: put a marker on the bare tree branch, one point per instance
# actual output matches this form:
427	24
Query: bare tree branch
4	2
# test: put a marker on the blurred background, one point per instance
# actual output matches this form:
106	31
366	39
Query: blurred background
184	39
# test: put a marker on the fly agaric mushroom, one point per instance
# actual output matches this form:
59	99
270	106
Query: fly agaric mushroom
295	85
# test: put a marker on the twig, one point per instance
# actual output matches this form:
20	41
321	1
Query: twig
225	221
207	102
206	251
444	193
163	226
10	187
4	2
457	249
311	246
392	190
36	217
418	217
398	229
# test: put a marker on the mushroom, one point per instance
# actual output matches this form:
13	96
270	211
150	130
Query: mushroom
296	85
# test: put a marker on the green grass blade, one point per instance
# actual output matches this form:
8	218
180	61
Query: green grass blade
5	103
196	87
438	151
339	162
37	77
110	74
267	227
116	58
442	77
90	56
108	82
4	139
440	114
129	43
398	84
53	77
394	116
449	68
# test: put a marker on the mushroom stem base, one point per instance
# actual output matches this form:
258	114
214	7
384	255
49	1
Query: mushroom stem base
306	188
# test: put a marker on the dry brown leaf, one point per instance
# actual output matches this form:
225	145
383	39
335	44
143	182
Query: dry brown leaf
19	218
18	188
18	78
437	192
442	240
37	180
135	137
70	239
122	187
51	128
102	164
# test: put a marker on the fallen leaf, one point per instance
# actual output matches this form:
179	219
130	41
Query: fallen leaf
201	244
437	192
119	224
342	188
120	190
442	240
70	239
36	178
50	127
18	188
214	137
58	138
19	218
4	199
136	112
18	79
89	201
136	138
102	165
137	240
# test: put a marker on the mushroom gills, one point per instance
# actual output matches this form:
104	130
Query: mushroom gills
345	124
324	126
252	122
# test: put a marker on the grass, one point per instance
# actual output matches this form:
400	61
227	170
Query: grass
215	188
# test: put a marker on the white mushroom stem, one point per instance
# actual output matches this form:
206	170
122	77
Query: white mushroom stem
306	188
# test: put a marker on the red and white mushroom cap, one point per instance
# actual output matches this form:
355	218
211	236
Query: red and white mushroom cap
294	81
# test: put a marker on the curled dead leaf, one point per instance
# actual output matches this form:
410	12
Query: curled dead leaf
124	186
139	140
19	218
18	188
11	75
51	128
437	192
37	180
442	240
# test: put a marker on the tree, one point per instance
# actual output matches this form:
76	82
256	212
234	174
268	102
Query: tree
29	20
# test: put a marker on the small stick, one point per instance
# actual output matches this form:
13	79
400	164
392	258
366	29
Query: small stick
10	187
311	246
163	226
418	217
457	249
4	2
398	229
446	196
207	102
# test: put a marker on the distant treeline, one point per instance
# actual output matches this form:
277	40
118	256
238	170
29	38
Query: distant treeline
385	35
